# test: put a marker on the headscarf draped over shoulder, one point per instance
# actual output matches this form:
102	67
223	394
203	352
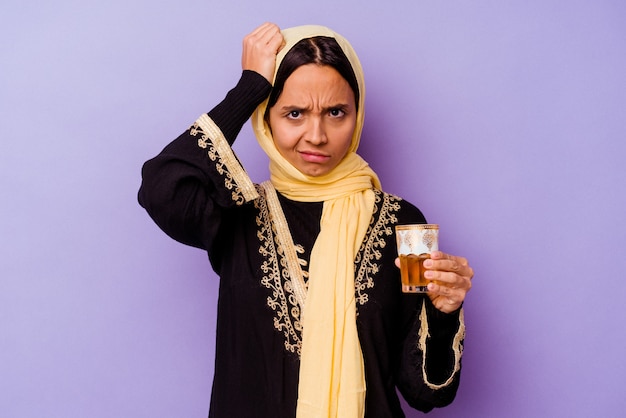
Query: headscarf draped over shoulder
332	376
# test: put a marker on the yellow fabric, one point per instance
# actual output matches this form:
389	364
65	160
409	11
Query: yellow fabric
332	377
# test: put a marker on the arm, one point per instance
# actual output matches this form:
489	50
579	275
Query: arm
432	334
440	329
187	186
430	364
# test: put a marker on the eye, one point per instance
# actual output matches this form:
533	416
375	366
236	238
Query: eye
294	114
336	113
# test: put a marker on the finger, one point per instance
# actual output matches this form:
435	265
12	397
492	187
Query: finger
447	262
397	262
262	29
449	279
437	255
455	294
444	277
269	34
440	255
276	42
261	35
445	299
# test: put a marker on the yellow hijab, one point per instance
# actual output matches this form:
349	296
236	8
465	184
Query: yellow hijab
332	377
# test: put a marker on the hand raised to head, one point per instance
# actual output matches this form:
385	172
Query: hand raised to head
260	48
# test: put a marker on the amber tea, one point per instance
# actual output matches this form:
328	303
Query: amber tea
415	242
412	273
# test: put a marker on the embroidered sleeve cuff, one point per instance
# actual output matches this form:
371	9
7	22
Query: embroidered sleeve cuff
235	178
457	346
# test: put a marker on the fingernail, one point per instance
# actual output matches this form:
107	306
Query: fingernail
428	262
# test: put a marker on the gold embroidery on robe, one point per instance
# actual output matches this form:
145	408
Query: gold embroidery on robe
235	177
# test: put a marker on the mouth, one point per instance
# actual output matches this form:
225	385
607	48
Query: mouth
314	157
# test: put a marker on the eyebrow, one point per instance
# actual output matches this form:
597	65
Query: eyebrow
289	108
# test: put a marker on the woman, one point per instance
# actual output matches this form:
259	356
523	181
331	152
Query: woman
311	319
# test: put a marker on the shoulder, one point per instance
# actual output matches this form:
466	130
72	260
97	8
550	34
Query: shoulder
405	211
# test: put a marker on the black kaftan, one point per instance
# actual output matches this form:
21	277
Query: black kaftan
194	191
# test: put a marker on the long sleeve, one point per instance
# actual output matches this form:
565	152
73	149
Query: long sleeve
429	370
186	188
426	349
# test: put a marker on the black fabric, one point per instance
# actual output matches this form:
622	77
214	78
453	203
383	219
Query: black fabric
256	369
240	102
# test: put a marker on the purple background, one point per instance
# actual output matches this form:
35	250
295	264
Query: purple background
503	121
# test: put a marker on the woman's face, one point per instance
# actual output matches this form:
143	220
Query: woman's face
314	118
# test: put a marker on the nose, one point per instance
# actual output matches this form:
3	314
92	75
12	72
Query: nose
316	132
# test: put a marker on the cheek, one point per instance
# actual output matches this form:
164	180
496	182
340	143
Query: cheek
346	147
347	134
283	135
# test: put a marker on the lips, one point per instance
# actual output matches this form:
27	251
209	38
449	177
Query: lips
314	157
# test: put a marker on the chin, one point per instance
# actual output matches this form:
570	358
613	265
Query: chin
312	173
315	172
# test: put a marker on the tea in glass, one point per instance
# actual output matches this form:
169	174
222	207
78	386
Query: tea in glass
415	242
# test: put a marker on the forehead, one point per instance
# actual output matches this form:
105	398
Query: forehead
321	81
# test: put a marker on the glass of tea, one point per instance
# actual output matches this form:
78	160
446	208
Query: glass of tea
415	242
